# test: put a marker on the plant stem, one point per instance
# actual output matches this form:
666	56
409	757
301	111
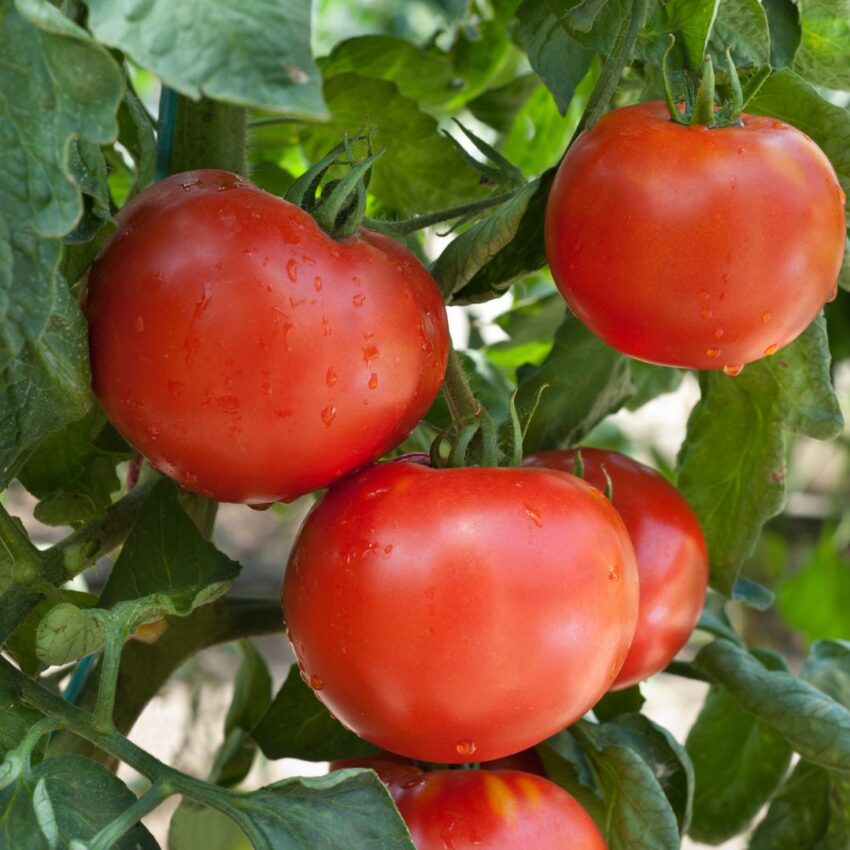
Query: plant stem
110	665
156	794
463	405
685	671
406	226
208	134
615	64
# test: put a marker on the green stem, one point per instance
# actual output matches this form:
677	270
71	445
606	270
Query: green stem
110	666
704	105
406	226
685	671
615	64
160	791
463	405
209	134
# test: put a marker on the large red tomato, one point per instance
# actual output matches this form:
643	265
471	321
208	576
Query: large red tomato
697	247
248	354
491	810
671	554
463	614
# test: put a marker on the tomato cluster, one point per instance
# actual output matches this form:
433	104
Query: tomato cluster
464	614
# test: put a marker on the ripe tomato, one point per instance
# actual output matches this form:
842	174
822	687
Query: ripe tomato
690	246
671	554
248	354
491	810
462	614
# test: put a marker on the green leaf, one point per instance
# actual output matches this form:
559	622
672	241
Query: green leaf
72	477
787	96
483	261
742	25
814	724
297	725
586	379
667	759
651	381
567	766
16	719
783	19
136	133
691	21
252	693
166	560
732	464
638	814
256	55
420	170
425	76
499	106
59	87
67	633
195	827
738	762
798	817
815	601
559	60
823	56
70	797
751	593
827	667
345	810
615	703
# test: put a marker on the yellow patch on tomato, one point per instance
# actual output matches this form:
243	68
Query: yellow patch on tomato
500	797
531	791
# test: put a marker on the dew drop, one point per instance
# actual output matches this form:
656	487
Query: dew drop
614	572
712	352
326	326
704	295
175	388
706	312
139	324
261	506
370	353
734	370
833	294
718	332
733	183
292	270
465	748
317	283
765	316
533	515
388	548
328	415
330	377
316	683
373	381
359	300
771	349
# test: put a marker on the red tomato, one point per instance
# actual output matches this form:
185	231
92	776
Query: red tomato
492	810
248	354
463	614
671	554
697	247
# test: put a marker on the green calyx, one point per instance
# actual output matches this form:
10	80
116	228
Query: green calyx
698	104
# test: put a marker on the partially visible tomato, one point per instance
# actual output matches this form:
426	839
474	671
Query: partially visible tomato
461	614
248	354
671	554
492	810
690	246
527	761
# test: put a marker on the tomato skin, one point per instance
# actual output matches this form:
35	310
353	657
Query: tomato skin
464	614
384	762
690	246
672	557
248	354
492	810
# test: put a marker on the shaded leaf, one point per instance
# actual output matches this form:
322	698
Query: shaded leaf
823	56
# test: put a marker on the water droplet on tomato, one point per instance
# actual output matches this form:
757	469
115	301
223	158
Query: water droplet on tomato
614	572
261	506
373	381
765	316
292	270
359	300
733	183
355	280
317	283
465	748
771	349
316	683
706	312
733	370
833	294
326	326
718	332
175	388
370	353
533	514
712	352
328	415
139	324
330	377
704	295
388	548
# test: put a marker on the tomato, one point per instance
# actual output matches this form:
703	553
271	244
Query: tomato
671	554
456	615
491	810
383	762
697	247
248	354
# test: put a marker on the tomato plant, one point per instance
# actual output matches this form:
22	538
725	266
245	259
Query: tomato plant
230	245
716	246
671	554
427	639
248	354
